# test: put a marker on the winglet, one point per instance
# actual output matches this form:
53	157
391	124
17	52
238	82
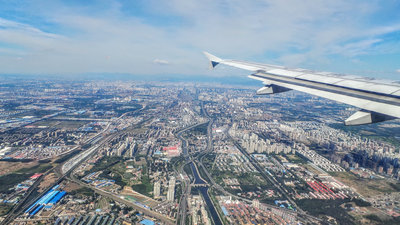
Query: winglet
214	60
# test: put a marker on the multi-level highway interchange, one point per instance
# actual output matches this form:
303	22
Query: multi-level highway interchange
128	152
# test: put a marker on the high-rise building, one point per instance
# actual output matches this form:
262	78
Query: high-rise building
129	153
157	189
171	190
390	170
121	149
380	169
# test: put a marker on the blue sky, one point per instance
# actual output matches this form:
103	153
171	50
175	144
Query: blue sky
167	37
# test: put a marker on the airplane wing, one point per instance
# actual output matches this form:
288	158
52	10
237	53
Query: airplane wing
378	100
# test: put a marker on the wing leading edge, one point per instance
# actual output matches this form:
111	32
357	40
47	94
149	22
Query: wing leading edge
378	100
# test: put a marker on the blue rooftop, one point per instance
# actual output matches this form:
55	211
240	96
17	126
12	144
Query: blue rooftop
224	211
147	222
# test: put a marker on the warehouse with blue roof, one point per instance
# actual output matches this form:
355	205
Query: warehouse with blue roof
52	197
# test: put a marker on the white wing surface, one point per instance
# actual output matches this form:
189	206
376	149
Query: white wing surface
378	100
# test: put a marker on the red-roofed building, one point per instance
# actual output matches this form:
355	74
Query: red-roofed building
172	151
36	175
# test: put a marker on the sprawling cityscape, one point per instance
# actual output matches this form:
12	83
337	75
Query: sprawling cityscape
131	152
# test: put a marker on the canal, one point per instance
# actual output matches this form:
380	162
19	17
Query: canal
204	192
197	180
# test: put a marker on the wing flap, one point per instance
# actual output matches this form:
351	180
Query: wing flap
363	103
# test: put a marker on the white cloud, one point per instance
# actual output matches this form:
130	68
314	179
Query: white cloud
398	71
161	62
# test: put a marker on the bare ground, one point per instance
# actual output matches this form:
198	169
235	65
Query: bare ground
10	167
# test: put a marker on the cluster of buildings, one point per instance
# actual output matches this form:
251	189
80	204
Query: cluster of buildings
172	151
122	147
348	149
252	143
239	212
170	190
231	159
36	153
198	211
320	185
101	183
369	163
88	219
319	160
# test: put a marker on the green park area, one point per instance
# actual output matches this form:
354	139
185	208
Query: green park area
329	210
296	159
84	191
208	160
125	173
145	186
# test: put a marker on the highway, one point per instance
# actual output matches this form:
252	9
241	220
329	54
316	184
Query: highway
78	159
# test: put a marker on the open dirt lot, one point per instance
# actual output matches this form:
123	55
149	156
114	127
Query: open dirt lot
47	180
9	167
365	187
